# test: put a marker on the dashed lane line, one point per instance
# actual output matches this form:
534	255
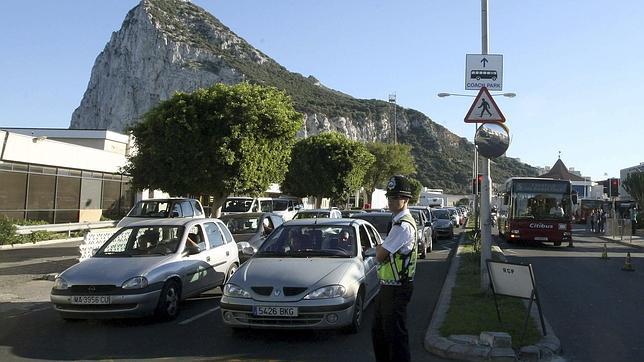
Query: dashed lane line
192	319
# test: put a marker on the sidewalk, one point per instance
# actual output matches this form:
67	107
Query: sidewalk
27	272
635	240
488	346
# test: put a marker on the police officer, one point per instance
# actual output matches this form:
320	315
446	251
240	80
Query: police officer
397	265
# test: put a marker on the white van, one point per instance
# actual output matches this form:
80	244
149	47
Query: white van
239	204
287	207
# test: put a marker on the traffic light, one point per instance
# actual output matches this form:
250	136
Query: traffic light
476	184
614	187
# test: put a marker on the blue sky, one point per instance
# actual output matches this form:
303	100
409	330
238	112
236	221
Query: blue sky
575	66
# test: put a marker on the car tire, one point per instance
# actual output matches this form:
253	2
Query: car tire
231	270
358	313
168	306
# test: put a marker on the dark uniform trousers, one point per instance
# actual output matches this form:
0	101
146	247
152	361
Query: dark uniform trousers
389	332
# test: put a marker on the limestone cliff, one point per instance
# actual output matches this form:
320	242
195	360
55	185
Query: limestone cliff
165	46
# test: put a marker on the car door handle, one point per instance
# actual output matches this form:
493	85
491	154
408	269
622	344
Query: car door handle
207	258
227	253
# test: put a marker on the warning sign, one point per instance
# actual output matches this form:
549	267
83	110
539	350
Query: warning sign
484	109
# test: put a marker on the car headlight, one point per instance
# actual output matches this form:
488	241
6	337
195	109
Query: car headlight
135	283
331	291
61	284
231	290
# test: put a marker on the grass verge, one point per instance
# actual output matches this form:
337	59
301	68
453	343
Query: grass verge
472	312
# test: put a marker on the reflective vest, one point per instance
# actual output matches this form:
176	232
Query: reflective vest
400	266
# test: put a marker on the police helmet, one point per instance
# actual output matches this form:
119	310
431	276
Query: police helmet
398	185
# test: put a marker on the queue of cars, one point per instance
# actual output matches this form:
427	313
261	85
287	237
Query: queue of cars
167	251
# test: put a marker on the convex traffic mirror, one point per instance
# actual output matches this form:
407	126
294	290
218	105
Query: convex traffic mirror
492	139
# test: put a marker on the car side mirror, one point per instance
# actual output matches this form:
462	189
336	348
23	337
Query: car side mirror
174	214
370	253
428	223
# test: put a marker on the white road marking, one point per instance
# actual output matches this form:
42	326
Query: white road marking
192	319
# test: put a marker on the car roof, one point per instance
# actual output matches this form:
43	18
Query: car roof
316	210
178	221
375	214
169	199
243	215
330	221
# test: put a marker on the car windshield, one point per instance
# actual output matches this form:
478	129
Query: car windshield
151	209
280	205
237	205
311	215
241	225
382	223
441	214
303	241
142	241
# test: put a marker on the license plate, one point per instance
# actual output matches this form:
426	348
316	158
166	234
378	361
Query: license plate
541	238
91	299
276	311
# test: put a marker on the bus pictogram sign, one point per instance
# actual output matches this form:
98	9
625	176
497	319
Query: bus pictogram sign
484	70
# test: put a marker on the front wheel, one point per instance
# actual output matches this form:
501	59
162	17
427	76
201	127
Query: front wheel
358	310
231	270
168	306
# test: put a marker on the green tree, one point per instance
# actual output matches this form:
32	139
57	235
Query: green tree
634	185
327	165
463	202
215	141
390	160
416	188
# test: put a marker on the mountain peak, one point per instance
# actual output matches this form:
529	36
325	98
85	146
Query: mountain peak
168	46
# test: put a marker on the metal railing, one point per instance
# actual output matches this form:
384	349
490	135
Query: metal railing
68	227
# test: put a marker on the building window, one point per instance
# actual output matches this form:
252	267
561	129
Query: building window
90	194
127	197
40	194
111	196
13	189
68	193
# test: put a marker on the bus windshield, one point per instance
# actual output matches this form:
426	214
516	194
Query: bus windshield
538	200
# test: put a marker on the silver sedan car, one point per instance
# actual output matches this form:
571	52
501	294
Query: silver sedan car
309	273
147	268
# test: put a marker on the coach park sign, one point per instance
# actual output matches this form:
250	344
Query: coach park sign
484	70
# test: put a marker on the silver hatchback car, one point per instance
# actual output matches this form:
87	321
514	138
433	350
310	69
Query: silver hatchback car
147	268
309	273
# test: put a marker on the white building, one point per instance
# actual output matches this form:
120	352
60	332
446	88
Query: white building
62	175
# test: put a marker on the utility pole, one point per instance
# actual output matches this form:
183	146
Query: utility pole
392	100
486	228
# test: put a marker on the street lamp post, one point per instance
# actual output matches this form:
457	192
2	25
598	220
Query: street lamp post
486	228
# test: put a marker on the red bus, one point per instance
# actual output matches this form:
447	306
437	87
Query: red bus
537	209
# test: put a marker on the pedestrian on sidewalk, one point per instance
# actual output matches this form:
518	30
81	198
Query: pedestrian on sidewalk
602	220
593	220
634	220
396	258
